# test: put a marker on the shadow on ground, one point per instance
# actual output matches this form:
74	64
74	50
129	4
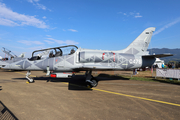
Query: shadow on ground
175	82
104	77
0	88
158	79
4	70
77	82
5	113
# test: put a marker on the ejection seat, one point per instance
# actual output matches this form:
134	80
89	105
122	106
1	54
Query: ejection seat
58	54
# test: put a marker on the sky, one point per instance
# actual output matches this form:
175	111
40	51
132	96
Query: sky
28	25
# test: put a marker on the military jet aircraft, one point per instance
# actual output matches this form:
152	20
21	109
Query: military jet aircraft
70	58
15	58
4	61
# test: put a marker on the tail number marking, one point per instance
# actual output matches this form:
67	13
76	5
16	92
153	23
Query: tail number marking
135	61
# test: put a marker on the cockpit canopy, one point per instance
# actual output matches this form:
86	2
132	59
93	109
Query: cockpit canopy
54	52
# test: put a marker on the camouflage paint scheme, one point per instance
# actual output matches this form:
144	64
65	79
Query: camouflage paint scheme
134	56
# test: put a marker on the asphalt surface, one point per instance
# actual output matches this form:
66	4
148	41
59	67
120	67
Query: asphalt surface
68	99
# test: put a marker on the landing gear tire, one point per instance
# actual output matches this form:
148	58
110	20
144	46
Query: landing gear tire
93	83
31	81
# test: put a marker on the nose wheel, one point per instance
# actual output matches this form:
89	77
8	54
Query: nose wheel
30	80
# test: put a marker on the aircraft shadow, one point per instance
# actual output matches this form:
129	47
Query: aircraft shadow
77	82
5	113
4	70
168	82
105	77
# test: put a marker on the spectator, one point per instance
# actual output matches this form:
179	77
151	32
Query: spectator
163	65
134	71
173	66
156	66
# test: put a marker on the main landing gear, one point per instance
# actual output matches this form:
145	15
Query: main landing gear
90	80
30	80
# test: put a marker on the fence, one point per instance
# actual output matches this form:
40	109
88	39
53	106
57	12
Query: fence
5	113
168	73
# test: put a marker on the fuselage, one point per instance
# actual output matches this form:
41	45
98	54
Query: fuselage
78	59
82	59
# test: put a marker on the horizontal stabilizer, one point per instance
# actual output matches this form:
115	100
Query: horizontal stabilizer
158	55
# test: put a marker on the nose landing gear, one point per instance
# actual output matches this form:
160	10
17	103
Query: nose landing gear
30	80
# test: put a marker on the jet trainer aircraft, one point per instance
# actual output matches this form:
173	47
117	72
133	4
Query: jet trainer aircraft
15	58
4	61
69	59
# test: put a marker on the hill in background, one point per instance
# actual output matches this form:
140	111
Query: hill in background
175	52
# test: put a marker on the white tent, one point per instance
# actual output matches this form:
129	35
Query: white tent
159	62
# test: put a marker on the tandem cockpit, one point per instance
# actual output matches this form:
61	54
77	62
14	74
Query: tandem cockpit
53	52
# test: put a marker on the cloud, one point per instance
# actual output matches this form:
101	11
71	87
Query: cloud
48	35
10	18
72	30
39	6
137	15
70	42
7	22
44	17
131	14
60	41
27	42
50	38
36	48
36	0
167	26
67	42
49	42
31	1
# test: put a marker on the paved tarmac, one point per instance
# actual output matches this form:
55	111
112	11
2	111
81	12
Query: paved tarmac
67	99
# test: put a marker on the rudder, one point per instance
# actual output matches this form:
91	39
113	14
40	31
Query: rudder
141	43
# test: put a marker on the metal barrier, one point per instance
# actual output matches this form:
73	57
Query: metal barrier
168	73
5	113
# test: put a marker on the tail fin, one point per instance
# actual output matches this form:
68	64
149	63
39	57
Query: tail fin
141	43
